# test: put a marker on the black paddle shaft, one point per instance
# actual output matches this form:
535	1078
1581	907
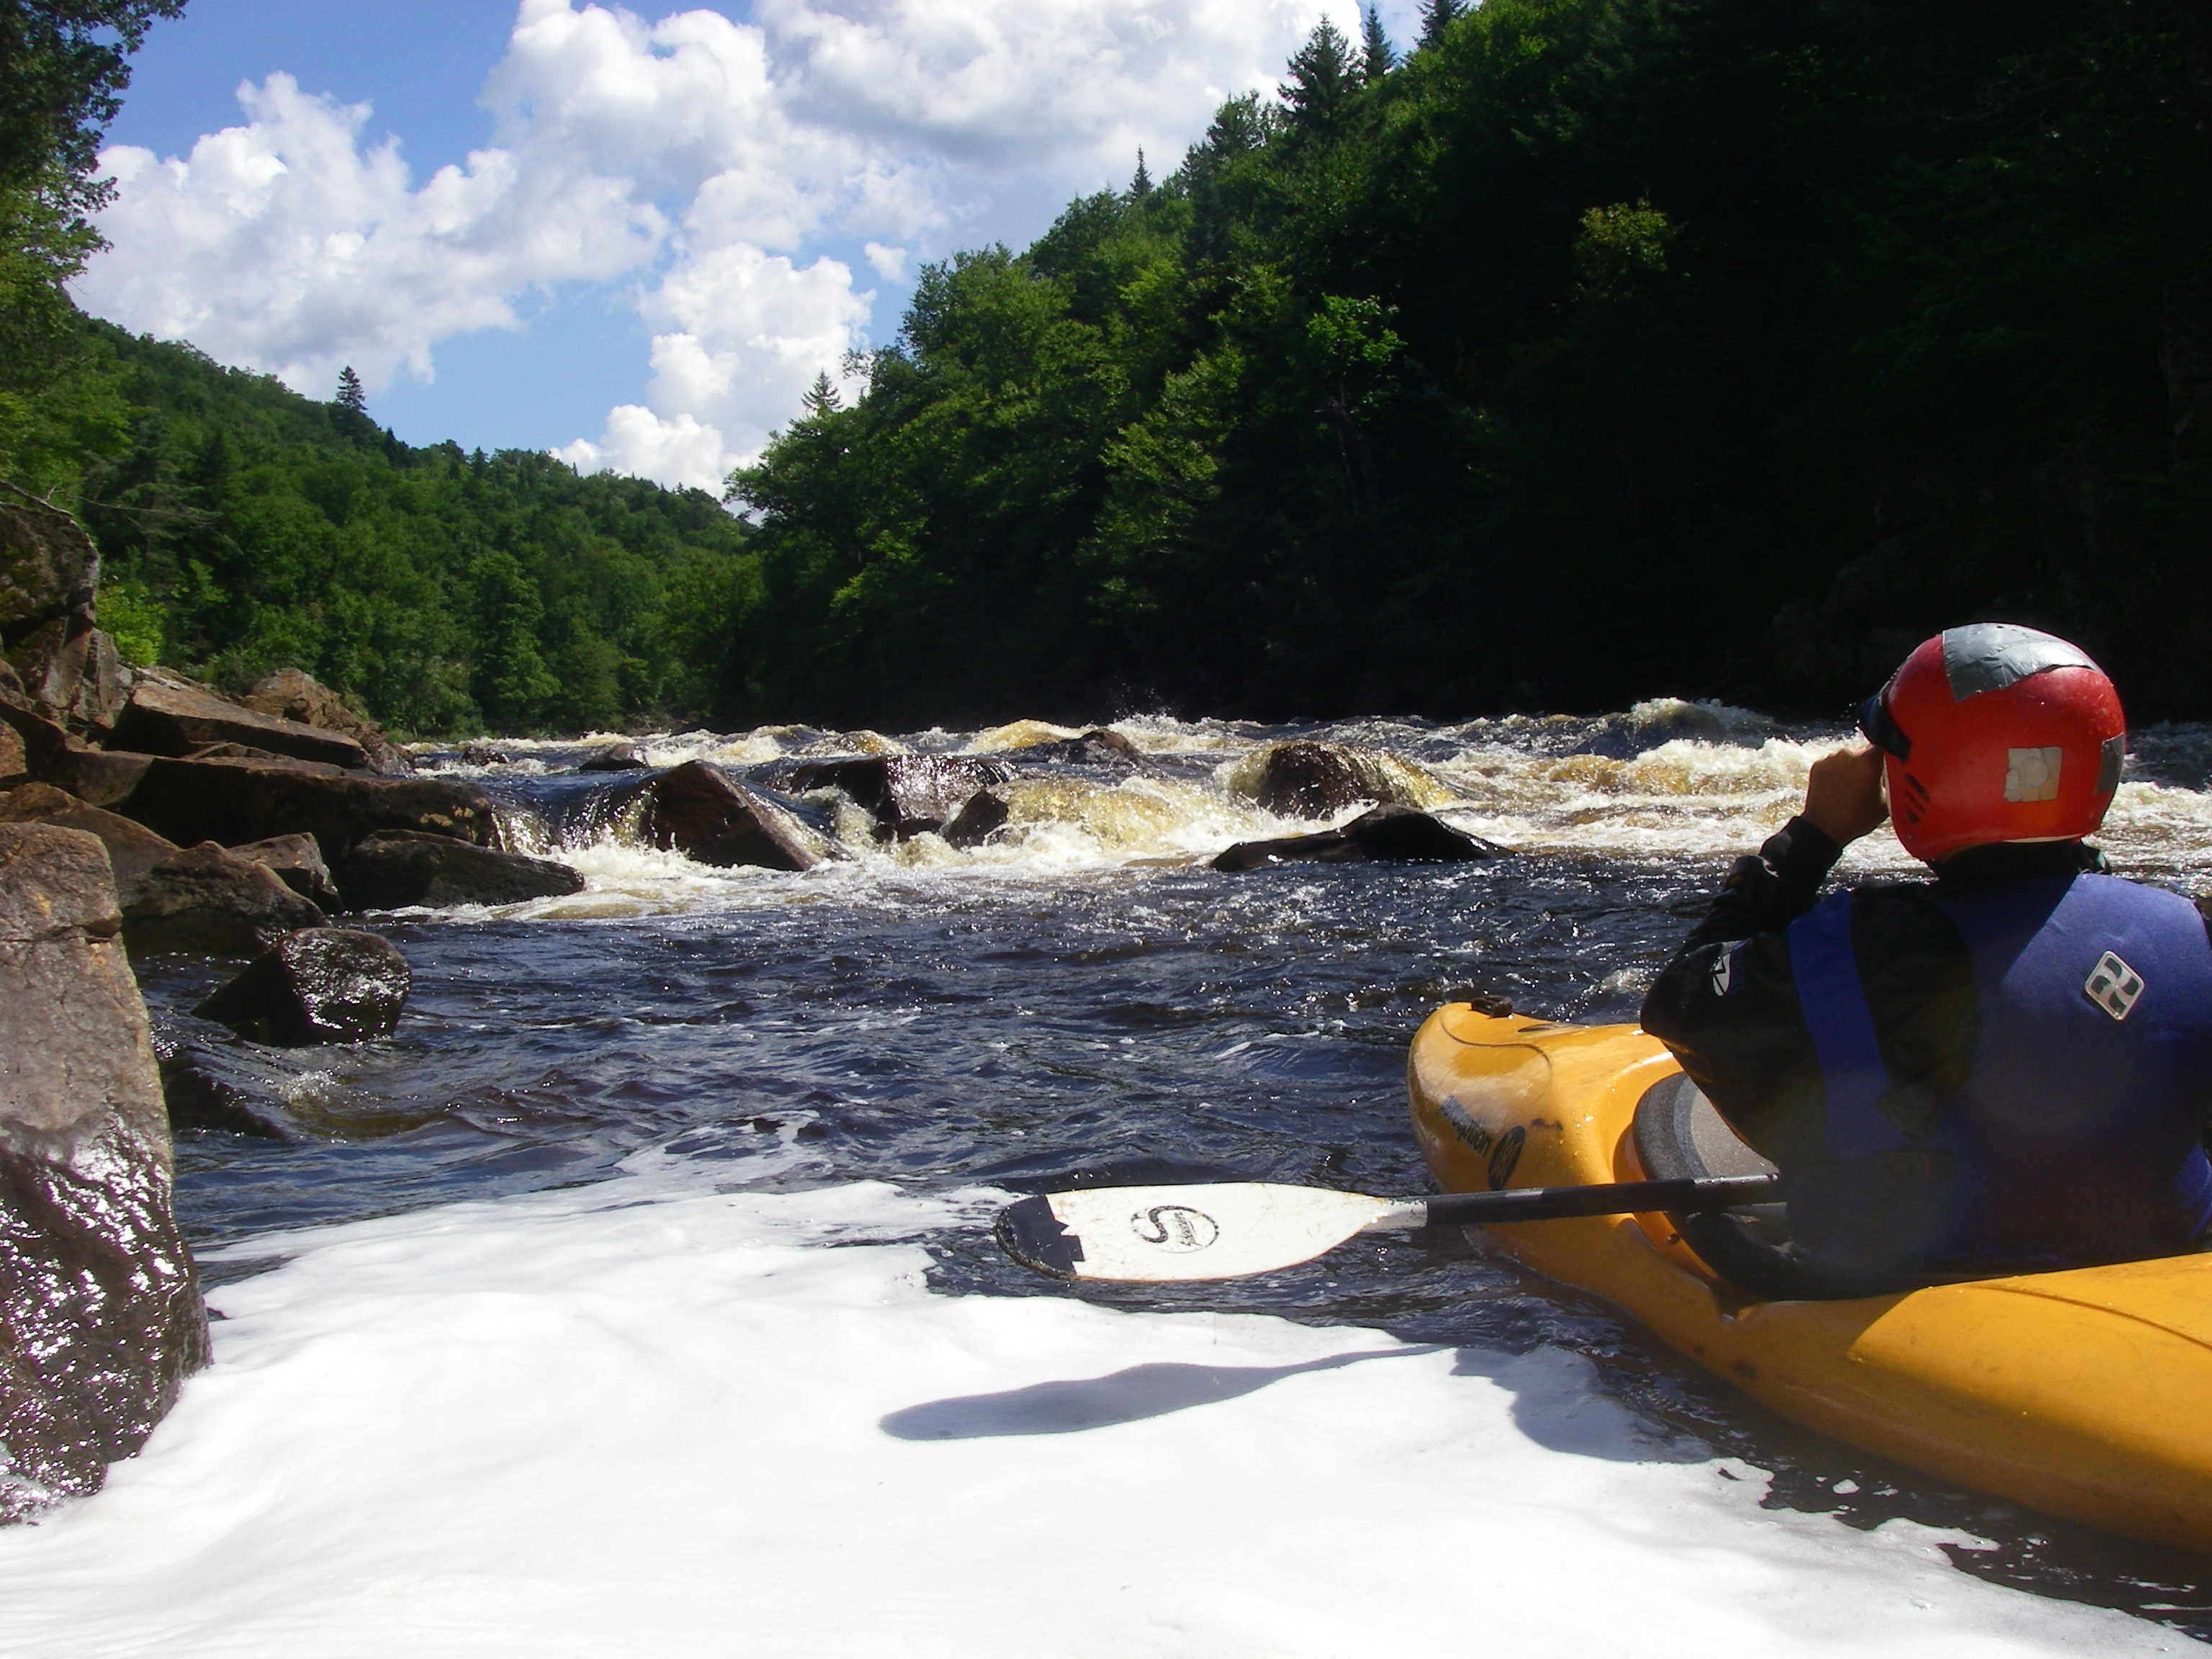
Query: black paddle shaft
1607	1198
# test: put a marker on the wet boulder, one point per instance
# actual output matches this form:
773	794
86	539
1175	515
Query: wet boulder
322	985
905	794
207	901
700	811
169	714
1394	834
298	862
1303	778
235	801
615	757
977	822
101	1316
301	700
133	850
1097	748
395	868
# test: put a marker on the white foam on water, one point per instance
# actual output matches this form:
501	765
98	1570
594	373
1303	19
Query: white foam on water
646	1418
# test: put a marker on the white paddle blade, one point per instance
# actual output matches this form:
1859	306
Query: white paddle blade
1157	1234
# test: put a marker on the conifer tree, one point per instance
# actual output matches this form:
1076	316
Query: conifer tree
1141	185
351	398
822	397
1377	56
1320	82
1436	16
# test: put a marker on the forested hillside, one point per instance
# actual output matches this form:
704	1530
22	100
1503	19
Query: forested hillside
243	528
1578	351
1596	348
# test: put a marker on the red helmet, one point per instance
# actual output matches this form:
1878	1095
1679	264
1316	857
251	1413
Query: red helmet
1997	732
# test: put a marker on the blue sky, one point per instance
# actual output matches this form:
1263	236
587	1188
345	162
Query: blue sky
631	237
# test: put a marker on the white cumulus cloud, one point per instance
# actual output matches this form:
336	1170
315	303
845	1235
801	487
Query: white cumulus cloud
722	173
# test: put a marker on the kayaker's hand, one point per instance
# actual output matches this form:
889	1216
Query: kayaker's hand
1843	794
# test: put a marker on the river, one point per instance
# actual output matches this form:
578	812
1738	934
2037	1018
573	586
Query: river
912	1024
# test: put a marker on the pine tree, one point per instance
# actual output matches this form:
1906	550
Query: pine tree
351	397
822	397
1320	82
1141	185
1377	56
1436	16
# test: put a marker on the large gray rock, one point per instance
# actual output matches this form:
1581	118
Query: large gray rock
170	715
133	850
100	1316
702	812
324	984
291	694
1395	835
399	867
235	801
205	901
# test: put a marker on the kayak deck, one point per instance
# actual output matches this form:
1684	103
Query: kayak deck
2080	1393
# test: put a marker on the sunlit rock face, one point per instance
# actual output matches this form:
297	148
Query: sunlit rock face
57	663
100	1316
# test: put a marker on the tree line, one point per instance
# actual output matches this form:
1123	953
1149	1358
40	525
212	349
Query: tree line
1583	350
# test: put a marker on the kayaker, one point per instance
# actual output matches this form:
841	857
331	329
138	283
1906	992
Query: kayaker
2002	1069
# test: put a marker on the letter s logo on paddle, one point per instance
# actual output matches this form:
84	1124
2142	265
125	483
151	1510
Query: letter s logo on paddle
1175	1228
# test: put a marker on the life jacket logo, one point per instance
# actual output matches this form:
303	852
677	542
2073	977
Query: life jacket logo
1723	976
2113	986
1175	1228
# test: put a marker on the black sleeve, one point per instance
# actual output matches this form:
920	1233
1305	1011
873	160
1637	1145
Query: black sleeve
1727	1004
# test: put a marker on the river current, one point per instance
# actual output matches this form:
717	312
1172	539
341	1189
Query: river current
1081	997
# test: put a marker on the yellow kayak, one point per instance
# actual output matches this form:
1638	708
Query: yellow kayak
2086	1393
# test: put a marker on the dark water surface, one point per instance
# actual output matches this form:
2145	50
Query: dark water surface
1080	1003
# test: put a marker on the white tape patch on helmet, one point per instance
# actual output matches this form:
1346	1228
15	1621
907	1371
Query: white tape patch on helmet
2032	774
2113	986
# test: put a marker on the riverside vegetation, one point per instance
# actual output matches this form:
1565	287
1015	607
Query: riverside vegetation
1584	349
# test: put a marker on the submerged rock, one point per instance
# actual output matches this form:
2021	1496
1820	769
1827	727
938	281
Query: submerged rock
1396	835
395	868
700	811
1097	747
323	985
207	899
100	1316
617	757
905	794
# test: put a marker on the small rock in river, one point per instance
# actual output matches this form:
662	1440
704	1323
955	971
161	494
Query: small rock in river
322	985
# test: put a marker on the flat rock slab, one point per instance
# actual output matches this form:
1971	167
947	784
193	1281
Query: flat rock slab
206	900
167	716
100	1316
398	868
322	985
1393	835
292	694
236	801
